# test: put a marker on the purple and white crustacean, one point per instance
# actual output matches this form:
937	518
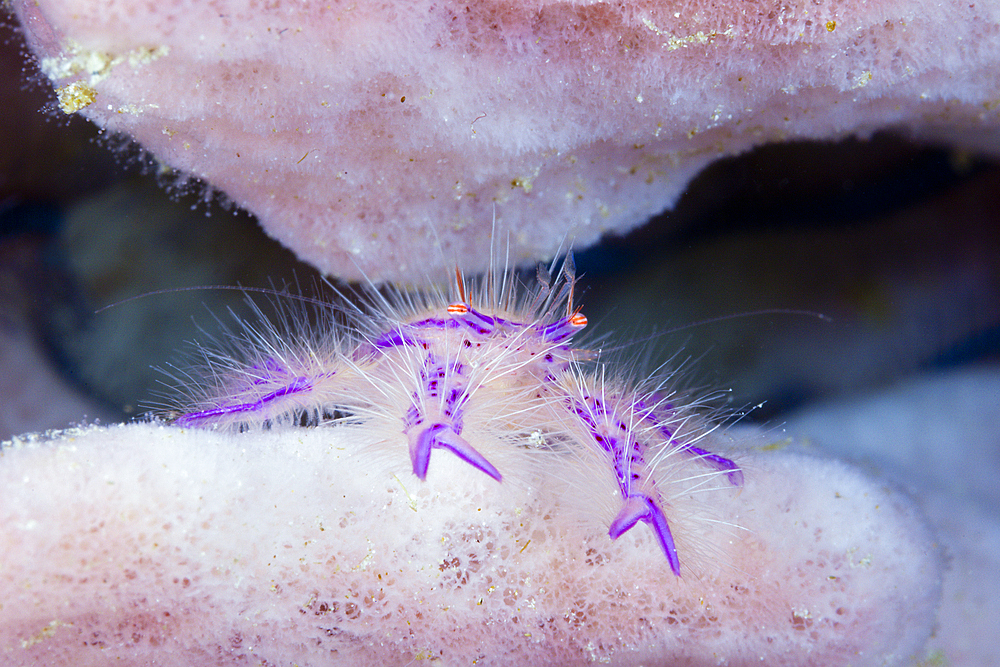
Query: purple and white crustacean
491	367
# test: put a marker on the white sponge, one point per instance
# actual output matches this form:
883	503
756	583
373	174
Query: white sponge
148	544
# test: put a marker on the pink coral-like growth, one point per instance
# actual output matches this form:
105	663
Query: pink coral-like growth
379	135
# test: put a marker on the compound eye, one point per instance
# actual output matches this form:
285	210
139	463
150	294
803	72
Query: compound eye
578	320
459	308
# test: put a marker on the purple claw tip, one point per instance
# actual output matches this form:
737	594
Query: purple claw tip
641	508
442	436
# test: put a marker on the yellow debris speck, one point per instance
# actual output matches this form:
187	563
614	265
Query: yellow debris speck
831	26
75	96
862	79
777	445
674	42
526	183
135	110
523	183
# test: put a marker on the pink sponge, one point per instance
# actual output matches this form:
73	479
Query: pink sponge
381	136
145	544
